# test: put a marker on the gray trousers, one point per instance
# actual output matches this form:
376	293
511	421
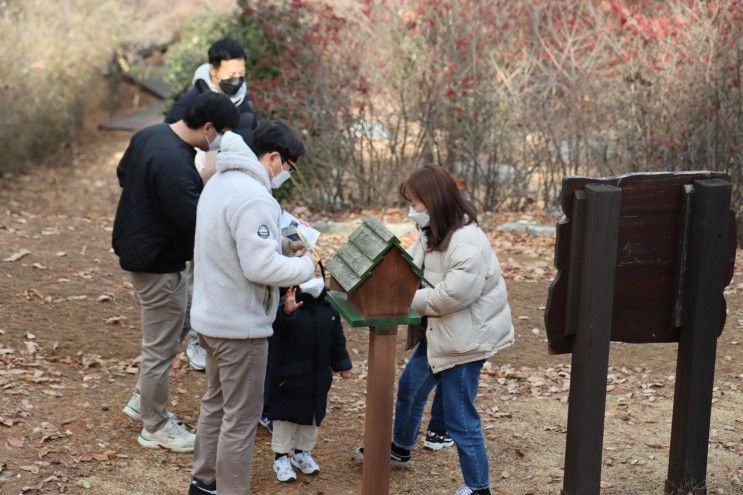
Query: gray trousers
163	299
230	410
192	336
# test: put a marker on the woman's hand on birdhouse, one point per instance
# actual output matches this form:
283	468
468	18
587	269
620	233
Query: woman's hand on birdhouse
290	301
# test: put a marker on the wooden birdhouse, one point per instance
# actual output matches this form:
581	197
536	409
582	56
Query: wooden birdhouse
376	274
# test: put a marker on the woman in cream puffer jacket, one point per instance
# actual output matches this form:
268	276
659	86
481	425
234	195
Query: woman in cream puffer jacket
468	314
468	319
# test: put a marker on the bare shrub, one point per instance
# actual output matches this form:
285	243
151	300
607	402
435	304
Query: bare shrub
55	54
49	58
509	96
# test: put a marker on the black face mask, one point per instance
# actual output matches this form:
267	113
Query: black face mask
232	85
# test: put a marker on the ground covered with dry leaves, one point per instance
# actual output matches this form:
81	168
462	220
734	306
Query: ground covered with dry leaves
69	342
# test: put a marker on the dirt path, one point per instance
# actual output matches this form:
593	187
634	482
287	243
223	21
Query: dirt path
69	340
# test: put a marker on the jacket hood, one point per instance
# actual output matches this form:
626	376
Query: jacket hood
202	73
234	154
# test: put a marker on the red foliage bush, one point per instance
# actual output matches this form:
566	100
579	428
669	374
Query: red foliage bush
511	96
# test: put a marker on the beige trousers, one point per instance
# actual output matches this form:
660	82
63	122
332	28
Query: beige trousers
163	299
288	436
230	409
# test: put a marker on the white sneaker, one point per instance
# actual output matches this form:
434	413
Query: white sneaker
465	490
173	436
305	463
283	469
196	356
133	408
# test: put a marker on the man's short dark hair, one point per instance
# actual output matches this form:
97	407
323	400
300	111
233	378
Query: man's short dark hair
275	135
225	49
215	108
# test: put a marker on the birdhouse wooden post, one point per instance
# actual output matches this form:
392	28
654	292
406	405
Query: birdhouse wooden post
378	280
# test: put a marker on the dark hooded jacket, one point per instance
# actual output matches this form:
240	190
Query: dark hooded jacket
306	347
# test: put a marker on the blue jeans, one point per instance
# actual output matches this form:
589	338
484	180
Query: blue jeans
437	424
458	393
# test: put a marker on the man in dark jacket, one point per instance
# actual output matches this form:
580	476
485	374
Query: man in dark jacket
224	73
153	236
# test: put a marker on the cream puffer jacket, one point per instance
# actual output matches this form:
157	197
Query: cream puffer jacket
468	313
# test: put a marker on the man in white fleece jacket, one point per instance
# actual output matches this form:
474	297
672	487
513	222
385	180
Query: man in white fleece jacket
238	268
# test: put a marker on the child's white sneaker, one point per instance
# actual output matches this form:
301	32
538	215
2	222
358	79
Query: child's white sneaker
173	436
283	469
305	463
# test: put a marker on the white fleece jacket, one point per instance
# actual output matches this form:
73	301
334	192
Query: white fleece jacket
238	264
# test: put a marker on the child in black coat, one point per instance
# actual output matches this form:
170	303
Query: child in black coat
307	346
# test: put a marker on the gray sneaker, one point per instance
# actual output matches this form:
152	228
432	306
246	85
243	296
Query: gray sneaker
173	436
196	356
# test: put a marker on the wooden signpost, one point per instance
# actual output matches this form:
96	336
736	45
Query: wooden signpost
378	281
641	258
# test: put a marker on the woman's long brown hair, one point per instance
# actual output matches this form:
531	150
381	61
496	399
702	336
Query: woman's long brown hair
435	188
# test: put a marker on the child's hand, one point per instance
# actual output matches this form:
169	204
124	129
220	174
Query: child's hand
346	374
297	248
290	301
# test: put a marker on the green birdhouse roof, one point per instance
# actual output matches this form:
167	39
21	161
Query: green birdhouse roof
366	246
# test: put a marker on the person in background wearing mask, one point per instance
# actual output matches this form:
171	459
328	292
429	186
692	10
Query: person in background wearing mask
153	236
238	267
224	73
469	320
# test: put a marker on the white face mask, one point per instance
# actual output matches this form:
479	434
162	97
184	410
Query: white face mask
216	144
313	286
421	218
278	181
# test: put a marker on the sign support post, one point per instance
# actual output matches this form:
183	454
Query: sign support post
590	359
695	366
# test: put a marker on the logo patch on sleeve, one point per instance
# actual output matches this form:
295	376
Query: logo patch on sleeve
263	232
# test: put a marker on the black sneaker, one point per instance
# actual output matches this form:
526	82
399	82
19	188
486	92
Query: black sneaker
437	441
266	423
200	488
399	458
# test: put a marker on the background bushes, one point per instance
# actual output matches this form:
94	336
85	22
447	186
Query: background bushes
510	96
51	60
56	55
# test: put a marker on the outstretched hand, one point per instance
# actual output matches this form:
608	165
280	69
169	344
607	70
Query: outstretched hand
290	301
297	248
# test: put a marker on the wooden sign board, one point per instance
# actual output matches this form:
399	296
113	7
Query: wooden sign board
651	258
